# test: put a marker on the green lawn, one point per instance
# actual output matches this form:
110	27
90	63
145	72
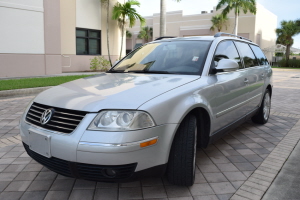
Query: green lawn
285	67
37	82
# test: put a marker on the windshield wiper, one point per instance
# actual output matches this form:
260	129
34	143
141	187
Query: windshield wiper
151	72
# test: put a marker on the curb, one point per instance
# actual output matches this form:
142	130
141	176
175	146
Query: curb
19	92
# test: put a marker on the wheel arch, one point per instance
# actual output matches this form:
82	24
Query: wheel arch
269	87
203	124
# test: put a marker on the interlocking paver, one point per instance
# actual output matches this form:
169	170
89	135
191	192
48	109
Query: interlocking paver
61	195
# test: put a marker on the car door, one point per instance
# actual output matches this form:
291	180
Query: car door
230	94
255	75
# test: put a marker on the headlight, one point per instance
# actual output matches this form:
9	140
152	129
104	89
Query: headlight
121	120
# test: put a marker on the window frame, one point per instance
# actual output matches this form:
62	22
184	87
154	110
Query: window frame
88	40
258	65
215	50
261	51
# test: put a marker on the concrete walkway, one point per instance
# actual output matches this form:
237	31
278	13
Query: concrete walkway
287	183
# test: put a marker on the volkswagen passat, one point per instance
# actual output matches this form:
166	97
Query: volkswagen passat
148	113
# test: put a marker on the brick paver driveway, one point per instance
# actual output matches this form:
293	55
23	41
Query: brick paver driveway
222	168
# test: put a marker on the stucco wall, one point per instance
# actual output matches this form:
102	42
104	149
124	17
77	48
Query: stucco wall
29	38
22	26
252	26
93	16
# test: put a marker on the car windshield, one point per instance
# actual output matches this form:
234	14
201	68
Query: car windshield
176	57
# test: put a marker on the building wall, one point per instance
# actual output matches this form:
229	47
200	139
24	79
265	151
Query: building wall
258	28
88	14
28	38
265	27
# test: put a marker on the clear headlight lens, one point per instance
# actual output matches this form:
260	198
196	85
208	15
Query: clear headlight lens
121	120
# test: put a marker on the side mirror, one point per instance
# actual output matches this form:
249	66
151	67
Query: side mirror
226	65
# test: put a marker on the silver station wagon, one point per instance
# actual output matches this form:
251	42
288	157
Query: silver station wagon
147	115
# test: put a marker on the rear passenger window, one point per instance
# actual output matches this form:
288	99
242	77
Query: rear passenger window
247	54
227	50
261	58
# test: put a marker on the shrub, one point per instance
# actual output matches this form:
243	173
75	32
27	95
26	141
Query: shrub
291	63
99	63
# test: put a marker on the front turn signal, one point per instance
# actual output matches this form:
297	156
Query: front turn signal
148	143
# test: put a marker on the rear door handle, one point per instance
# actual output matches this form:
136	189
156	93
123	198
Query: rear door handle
246	81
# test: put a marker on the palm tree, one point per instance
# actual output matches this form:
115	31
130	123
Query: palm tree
128	34
237	6
146	33
218	22
105	3
285	35
123	11
162	31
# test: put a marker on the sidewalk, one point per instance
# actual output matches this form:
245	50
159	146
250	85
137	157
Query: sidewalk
287	183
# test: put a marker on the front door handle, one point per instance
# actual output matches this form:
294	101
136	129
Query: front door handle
262	75
246	81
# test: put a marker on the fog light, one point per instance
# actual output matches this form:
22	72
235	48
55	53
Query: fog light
110	173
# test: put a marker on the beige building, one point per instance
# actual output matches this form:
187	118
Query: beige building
42	37
259	28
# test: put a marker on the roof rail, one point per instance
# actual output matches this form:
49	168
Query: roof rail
221	33
164	37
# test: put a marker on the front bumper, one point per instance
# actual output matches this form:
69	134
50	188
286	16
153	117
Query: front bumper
124	173
83	149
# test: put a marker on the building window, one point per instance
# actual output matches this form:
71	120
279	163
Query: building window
88	42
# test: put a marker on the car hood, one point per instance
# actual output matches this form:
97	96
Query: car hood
111	91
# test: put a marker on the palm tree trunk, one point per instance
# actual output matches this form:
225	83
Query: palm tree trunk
107	32
162	18
287	54
123	24
236	24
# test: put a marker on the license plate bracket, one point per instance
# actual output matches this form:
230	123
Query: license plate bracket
40	143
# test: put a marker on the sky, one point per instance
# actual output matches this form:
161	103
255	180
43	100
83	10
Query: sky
285	10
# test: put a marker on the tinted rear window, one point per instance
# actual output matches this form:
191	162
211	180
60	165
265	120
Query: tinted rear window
261	58
247	54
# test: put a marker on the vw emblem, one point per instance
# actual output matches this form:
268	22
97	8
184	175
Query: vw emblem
46	116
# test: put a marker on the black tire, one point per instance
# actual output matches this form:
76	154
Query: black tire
182	158
262	116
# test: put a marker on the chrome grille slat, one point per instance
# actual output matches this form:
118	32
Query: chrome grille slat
34	115
33	119
63	123
66	118
38	107
62	120
60	127
69	114
36	111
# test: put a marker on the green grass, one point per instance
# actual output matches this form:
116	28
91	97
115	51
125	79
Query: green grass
12	84
285	67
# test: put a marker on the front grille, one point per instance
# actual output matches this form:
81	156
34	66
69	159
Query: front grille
63	120
82	170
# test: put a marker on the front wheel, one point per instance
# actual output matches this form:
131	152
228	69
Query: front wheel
263	113
182	159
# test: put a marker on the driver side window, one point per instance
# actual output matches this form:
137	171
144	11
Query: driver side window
227	50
